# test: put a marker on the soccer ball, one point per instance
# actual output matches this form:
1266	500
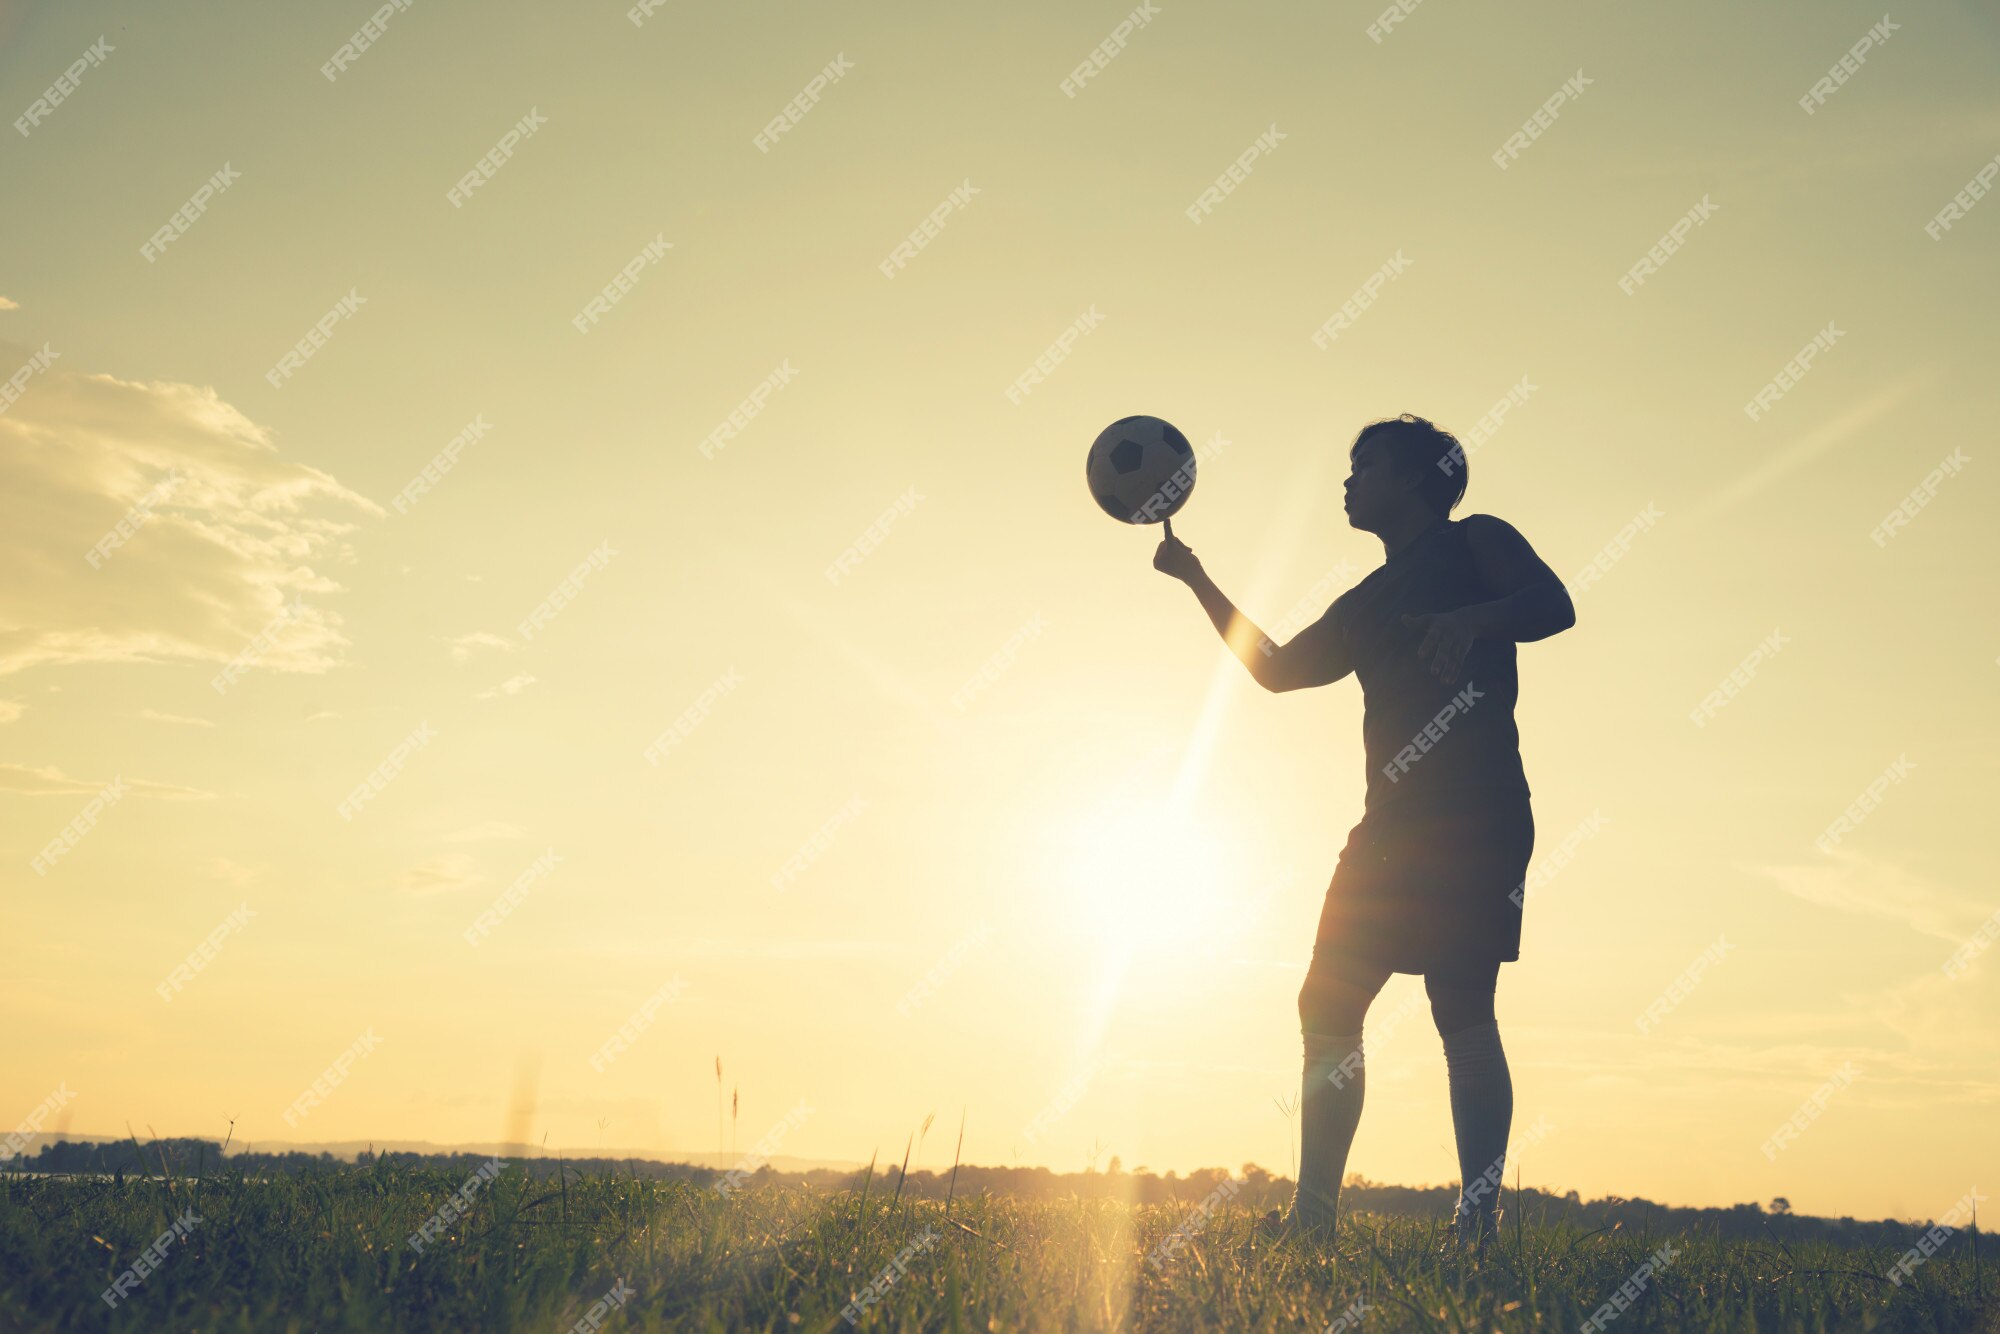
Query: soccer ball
1140	470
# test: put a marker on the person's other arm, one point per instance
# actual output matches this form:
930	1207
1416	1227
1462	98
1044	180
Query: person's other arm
1531	604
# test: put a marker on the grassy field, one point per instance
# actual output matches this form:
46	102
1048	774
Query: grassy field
369	1249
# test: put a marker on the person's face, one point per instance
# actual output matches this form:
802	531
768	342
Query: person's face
1373	489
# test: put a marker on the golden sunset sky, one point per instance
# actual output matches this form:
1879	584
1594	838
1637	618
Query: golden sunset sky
1006	754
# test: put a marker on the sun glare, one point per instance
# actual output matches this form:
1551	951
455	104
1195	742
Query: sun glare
1142	876
1148	895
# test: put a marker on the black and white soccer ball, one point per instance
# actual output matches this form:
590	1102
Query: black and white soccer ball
1140	470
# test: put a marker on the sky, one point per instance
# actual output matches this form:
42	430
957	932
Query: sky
752	678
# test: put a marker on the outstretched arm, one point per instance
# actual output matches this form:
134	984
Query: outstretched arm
1314	657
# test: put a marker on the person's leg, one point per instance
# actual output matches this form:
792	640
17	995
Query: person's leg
1482	1091
1332	1003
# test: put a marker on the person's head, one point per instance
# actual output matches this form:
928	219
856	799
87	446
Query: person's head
1400	468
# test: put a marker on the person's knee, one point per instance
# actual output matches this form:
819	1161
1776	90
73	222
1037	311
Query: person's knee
1454	1010
1328	1007
1332	1003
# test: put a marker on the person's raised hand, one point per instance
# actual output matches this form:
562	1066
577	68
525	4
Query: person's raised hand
1174	557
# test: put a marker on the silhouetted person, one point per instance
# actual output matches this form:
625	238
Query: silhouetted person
1430	880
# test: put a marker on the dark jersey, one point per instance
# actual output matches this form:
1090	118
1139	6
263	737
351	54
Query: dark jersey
1430	745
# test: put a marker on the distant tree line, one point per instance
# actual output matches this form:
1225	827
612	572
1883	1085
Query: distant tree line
1255	1188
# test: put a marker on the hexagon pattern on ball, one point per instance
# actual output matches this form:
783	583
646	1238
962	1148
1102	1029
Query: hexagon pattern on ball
1140	470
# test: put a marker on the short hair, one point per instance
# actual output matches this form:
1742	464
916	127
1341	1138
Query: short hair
1419	446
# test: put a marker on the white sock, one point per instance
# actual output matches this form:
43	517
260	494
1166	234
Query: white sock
1329	1110
1482	1110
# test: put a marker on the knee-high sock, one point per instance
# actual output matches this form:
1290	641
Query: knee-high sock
1329	1110
1482	1109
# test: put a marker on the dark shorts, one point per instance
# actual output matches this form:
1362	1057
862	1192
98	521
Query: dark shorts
1457	975
1435	890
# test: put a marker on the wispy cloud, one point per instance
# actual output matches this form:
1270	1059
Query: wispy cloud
221	531
513	685
154	715
1854	883
235	873
48	781
464	646
442	875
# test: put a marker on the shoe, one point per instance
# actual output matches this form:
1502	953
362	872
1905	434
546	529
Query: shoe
1287	1224
1470	1235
